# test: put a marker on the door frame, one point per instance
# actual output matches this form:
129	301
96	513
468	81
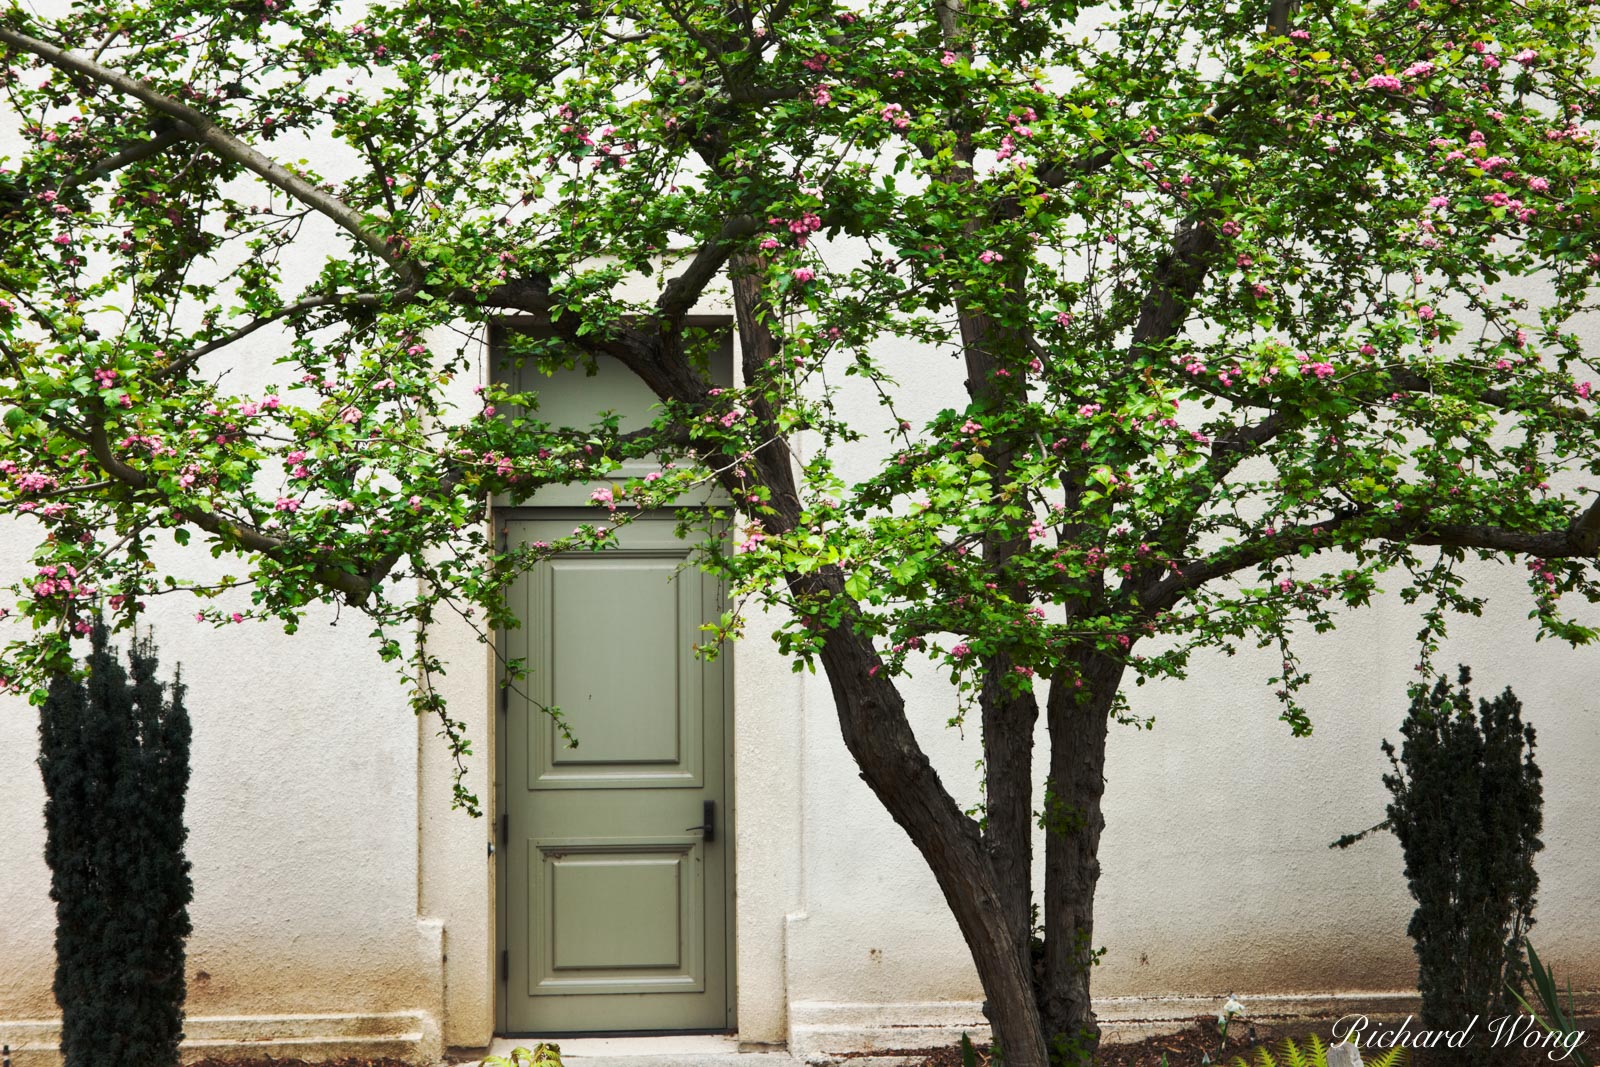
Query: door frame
499	807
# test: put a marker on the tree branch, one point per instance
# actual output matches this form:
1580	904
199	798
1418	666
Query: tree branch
202	130
1579	539
189	359
128	156
355	587
681	292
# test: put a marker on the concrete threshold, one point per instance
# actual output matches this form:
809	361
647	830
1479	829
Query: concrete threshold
668	1050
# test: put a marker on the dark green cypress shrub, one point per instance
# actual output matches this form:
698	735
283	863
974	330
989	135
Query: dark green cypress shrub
1467	809
114	753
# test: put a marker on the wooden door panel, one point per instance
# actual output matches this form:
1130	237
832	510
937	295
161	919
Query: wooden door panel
619	663
616	909
618	917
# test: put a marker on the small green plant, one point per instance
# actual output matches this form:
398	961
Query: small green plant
544	1054
1313	1054
1225	1016
1557	1018
969	1055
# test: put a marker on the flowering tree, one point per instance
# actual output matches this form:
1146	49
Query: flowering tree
1220	285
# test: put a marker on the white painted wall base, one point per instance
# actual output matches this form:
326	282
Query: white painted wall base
409	1036
822	1032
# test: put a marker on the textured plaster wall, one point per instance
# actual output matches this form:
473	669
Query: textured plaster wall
303	827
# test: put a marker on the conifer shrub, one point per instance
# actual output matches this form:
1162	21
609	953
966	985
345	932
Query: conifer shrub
114	754
1467	808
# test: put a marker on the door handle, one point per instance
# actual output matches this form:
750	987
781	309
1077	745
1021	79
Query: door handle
709	824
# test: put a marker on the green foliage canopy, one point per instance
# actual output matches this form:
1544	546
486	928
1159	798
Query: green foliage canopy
1230	298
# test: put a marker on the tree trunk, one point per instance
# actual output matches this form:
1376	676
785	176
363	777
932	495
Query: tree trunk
1078	717
1008	722
876	731
873	722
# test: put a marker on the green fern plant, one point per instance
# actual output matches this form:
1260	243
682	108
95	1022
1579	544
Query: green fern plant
1313	1054
544	1054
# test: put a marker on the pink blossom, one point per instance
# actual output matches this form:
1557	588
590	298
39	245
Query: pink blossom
1426	313
1231	228
753	536
1384	81
989	255
1584	389
821	97
105	377
1420	69
604	496
804	274
816	62
960	650
1526	57
1538	184
350	413
287	503
895	115
948	59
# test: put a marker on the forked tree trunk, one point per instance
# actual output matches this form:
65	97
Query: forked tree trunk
876	731
1078	718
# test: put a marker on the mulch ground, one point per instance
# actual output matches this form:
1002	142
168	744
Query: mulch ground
1188	1046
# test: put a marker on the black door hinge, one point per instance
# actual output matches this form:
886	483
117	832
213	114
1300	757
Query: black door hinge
505	828
505	698
505	965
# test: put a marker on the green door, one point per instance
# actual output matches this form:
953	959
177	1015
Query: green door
615	906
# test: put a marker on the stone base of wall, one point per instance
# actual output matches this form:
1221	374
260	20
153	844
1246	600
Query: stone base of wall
410	1036
820	1032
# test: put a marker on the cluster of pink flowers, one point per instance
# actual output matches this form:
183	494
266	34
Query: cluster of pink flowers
895	115
1316	368
33	482
821	97
753	536
1036	532
804	274
1384	81
989	255
60	581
